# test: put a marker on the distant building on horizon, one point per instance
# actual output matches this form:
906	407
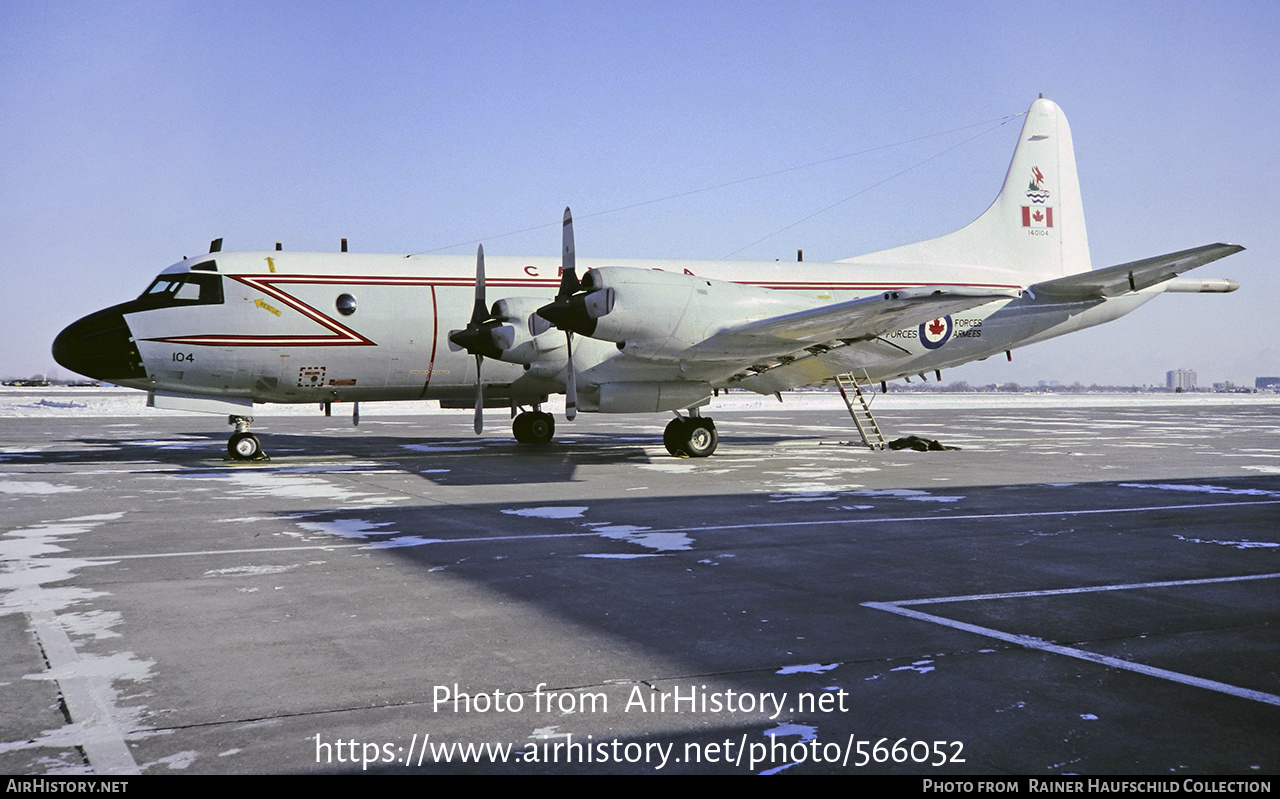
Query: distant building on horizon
1270	383
1180	380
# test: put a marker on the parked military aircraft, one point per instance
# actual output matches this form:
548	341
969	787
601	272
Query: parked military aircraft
222	331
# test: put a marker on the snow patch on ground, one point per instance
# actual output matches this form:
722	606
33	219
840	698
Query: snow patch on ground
362	530
438	448
249	571
1205	489
33	487
283	484
633	534
403	541
1246	544
804	731
920	666
548	512
811	668
912	494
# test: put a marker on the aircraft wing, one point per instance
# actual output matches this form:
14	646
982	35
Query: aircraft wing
1122	279
853	320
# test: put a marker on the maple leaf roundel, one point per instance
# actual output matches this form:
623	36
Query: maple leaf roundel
936	332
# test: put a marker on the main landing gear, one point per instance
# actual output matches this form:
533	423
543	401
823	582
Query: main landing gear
534	427
690	436
243	445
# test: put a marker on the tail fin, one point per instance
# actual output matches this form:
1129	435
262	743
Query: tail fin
1036	224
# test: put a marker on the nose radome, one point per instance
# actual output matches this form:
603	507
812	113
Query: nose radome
100	346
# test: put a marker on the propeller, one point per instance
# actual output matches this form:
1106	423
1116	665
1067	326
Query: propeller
483	336
578	303
574	310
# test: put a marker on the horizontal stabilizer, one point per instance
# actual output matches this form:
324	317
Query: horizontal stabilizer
1135	276
856	319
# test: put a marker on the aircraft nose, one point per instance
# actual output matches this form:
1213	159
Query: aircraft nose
100	346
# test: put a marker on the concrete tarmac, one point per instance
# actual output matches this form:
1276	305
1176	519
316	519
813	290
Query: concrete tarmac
1086	590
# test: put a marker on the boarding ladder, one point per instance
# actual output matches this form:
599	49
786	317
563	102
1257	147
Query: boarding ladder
860	407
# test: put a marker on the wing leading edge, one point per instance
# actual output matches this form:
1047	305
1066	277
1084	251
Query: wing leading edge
843	322
1135	276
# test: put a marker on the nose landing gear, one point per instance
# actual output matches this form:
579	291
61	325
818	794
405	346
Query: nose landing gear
243	445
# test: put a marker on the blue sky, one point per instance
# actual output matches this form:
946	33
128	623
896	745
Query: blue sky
136	132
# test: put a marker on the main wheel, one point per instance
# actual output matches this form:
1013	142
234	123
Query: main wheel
702	438
534	427
542	427
520	428
244	446
674	437
693	437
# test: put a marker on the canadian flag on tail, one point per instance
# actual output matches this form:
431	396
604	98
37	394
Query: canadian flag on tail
1037	217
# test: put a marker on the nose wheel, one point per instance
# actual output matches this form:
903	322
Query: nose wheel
243	445
690	437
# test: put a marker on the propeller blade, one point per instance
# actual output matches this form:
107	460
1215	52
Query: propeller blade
568	260
479	311
571	384
479	397
568	287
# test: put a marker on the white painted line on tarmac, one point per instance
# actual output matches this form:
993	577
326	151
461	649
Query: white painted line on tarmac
363	544
1084	589
88	696
95	725
1031	642
957	517
942	517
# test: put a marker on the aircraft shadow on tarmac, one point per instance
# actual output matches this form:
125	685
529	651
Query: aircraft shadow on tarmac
756	593
473	461
555	462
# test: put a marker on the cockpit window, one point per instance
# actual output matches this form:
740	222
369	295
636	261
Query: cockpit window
183	289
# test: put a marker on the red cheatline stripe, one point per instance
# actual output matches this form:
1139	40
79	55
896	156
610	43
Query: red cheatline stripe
345	336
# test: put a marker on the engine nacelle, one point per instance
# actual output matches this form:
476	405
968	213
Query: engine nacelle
519	344
657	313
517	310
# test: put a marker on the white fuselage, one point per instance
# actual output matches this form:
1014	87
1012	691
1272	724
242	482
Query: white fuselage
279	336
